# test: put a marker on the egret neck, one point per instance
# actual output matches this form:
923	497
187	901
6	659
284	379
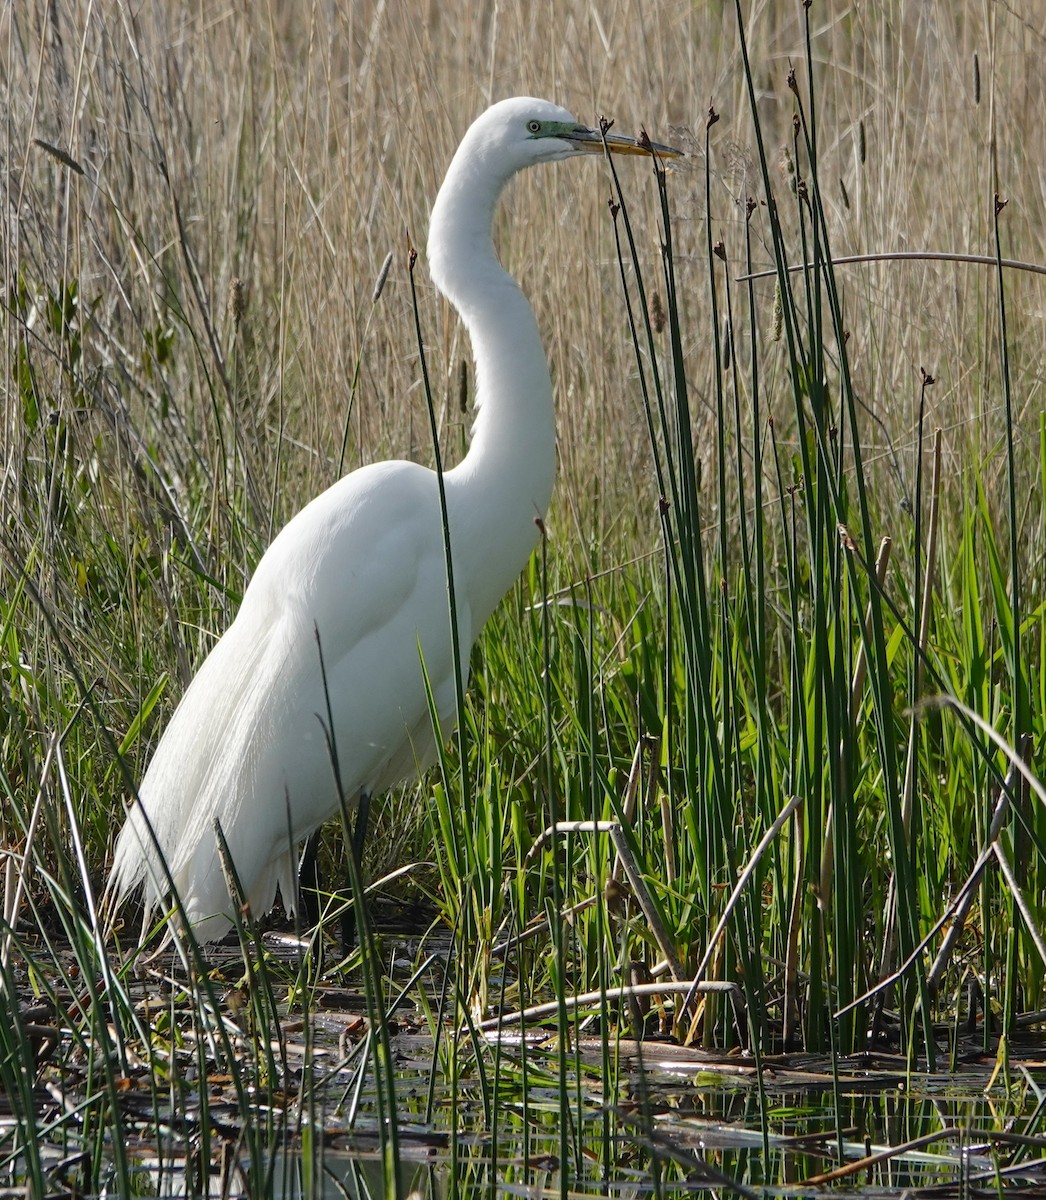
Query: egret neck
504	484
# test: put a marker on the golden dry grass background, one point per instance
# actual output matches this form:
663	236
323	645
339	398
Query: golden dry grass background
291	147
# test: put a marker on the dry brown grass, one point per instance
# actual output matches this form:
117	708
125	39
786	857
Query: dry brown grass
300	146
292	147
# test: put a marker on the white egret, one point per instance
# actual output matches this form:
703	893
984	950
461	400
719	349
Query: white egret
363	564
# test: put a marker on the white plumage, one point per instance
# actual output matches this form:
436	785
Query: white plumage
364	565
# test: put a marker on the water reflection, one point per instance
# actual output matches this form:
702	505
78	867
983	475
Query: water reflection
656	1133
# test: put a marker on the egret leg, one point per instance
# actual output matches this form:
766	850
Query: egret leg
359	838
309	883
309	886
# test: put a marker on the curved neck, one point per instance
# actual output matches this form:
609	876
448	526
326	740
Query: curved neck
505	480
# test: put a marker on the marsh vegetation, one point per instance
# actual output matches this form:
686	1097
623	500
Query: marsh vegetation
780	652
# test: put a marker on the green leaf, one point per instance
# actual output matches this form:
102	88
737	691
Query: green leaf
144	710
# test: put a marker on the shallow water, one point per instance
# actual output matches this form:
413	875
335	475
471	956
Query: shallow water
678	1122
306	1115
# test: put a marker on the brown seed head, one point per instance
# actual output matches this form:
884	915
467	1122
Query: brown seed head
237	300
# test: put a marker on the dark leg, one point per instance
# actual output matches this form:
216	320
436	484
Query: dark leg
359	838
309	887
308	883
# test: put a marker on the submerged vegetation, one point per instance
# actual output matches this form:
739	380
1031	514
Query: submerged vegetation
750	755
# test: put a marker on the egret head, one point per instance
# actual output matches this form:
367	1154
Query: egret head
519	132
508	137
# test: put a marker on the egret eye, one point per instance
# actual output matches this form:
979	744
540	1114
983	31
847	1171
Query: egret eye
534	126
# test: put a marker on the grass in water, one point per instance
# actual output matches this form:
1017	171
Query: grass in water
775	676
